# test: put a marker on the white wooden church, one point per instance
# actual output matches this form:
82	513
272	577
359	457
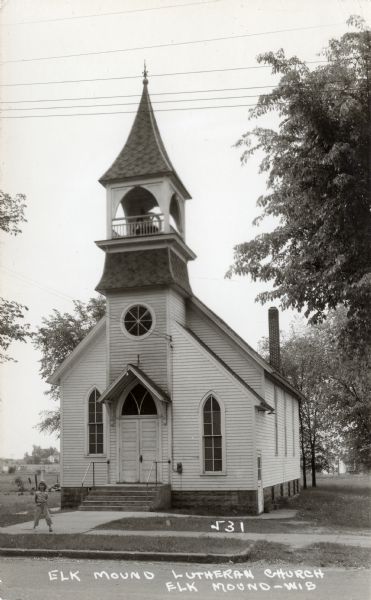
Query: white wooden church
163	404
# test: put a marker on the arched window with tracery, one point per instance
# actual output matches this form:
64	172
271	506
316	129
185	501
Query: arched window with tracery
212	436
139	402
95	424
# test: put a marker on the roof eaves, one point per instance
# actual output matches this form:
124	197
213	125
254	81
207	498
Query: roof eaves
118	384
244	345
224	365
55	377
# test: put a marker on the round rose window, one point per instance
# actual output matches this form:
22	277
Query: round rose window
138	320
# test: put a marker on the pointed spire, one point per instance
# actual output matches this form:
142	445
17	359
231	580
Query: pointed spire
144	153
145	74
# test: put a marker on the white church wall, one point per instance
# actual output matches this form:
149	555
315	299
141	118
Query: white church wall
152	349
285	465
195	374
228	351
88	372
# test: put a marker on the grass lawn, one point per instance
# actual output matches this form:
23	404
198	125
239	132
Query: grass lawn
16	508
319	555
205	524
337	502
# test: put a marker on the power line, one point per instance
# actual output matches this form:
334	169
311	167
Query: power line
155	102
251	87
169	44
130	103
121	77
77	99
120	12
127	112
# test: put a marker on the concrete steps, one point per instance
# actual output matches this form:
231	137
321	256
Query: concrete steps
137	498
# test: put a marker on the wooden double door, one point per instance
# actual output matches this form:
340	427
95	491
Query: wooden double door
138	449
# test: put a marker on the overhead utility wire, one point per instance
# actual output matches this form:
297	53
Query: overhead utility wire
233	89
168	44
126	112
108	14
251	87
155	102
201	72
130	103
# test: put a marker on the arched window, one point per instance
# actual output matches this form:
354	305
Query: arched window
212	436
95	423
139	402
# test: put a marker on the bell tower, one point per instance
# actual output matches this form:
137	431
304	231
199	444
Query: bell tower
145	207
145	276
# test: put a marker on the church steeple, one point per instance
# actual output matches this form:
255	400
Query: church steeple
145	243
144	153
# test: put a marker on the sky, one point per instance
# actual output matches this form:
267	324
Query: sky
46	45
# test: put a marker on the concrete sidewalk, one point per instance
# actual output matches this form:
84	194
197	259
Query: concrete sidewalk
295	540
83	521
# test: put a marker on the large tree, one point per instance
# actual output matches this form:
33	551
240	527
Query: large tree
318	161
335	382
12	325
57	337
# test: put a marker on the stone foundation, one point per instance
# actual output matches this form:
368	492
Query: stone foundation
71	497
217	500
163	498
275	495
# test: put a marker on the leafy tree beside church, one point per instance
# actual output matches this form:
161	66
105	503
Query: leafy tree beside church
318	161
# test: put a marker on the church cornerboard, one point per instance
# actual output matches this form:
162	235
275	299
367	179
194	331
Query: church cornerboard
163	404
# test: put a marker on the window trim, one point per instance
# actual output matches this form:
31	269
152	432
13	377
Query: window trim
293	411
223	472
122	321
87	453
275	392
285	421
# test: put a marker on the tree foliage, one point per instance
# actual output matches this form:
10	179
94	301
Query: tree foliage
57	337
12	325
319	183
40	455
335	381
12	212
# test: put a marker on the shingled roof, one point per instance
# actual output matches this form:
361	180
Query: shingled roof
144	153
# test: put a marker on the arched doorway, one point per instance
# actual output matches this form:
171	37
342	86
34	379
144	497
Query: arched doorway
139	436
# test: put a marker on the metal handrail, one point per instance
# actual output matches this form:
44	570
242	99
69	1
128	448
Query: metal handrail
86	472
94	462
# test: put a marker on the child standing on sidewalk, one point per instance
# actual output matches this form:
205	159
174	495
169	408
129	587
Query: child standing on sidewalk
41	509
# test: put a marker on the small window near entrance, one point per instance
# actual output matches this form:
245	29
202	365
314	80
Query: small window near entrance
139	402
212	436
95	425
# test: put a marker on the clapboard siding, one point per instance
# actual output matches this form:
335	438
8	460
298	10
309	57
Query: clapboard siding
195	374
177	310
283	466
88	372
152	350
226	348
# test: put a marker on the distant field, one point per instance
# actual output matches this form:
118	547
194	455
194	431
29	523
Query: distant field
7	484
359	483
16	508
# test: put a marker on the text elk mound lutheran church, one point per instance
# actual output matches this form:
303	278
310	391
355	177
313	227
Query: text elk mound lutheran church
163	404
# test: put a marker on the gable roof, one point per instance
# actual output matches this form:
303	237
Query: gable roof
222	325
263	404
75	354
119	384
144	153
